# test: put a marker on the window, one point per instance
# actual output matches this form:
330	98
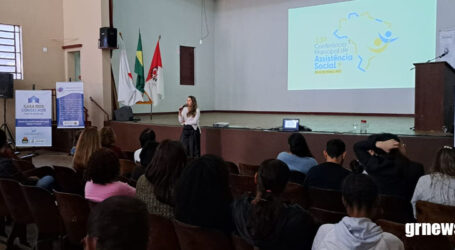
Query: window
11	50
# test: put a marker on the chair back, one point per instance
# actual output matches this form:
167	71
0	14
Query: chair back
327	199
162	235
44	210
23	165
297	177
435	213
323	216
241	184
129	155
248	169
232	167
396	209
195	238
240	244
126	167
15	201
74	211
68	180
295	193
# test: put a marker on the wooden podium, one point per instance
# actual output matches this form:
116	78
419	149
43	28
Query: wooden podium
434	94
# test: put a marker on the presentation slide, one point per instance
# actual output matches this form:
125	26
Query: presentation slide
361	44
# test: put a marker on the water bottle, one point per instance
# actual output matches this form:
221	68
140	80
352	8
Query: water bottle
363	126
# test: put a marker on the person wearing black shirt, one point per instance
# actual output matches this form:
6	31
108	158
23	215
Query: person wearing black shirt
330	174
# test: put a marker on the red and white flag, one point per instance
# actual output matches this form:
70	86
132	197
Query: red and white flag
154	85
127	93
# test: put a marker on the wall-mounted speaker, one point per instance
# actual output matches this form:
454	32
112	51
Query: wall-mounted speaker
108	38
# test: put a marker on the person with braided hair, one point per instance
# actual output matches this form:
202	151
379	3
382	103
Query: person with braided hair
357	230
265	220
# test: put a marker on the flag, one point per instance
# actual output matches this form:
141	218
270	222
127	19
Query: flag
127	93
139	66
154	85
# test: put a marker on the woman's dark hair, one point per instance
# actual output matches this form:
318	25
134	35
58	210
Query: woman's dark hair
359	191
103	167
298	145
165	168
202	194
148	152
272	177
119	223
107	137
356	167
192	111
445	161
146	136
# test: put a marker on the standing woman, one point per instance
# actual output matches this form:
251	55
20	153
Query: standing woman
191	135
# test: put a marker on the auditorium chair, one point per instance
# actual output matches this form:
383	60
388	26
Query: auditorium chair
297	177
196	238
417	242
23	165
247	169
4	214
45	213
240	184
74	211
232	167
126	167
68	180
435	213
162	234
241	244
18	209
323	216
295	193
327	199
396	209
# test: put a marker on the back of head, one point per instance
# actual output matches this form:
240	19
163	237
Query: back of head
119	223
146	136
103	167
445	161
88	143
272	178
359	192
107	136
202	194
335	148
298	145
165	168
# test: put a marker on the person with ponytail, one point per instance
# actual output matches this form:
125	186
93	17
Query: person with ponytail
267	222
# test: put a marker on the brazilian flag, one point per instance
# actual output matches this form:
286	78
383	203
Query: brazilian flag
139	66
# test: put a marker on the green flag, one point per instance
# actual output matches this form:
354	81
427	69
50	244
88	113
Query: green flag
139	66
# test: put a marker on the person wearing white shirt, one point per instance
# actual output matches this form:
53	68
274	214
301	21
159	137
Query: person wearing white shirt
191	135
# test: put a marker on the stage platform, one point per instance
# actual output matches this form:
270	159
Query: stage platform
250	138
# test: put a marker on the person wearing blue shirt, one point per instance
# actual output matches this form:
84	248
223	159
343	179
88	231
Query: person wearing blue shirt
300	158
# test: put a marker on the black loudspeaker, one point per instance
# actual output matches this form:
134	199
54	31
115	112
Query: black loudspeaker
6	85
108	38
124	113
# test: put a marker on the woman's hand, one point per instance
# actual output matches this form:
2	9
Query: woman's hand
388	145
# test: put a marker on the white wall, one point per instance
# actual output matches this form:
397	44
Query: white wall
178	22
251	63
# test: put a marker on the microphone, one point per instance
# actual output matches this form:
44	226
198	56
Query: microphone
184	105
446	52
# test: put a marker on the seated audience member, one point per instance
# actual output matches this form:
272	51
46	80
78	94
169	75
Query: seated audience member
118	223
439	185
146	156
103	170
300	158
108	139
147	136
156	187
329	175
265	221
356	231
9	171
202	194
88	143
383	157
